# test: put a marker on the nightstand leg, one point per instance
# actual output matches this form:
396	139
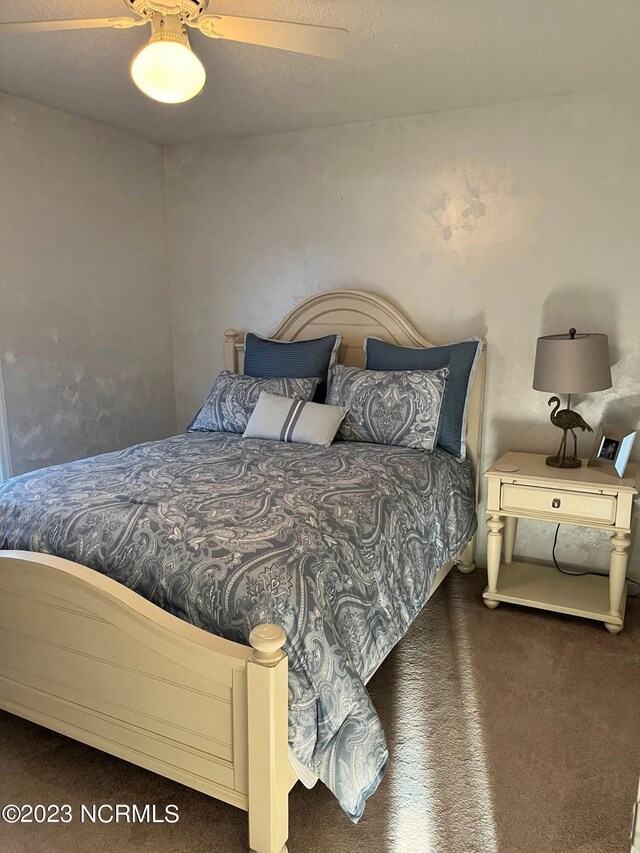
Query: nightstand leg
617	577
510	529
494	554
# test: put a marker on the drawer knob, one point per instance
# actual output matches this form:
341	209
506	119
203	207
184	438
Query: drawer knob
555	503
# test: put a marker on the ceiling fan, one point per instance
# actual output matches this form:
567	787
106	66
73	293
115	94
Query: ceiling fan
166	69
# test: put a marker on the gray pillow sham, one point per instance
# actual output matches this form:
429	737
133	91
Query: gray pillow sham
233	398
296	421
389	407
461	358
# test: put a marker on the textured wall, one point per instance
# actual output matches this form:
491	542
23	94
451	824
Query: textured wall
510	221
85	328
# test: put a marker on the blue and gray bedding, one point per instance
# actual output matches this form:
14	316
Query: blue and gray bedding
339	545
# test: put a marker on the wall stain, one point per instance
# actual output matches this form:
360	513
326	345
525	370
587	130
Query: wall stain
475	210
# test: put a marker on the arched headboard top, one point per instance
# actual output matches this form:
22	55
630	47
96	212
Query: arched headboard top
353	314
356	315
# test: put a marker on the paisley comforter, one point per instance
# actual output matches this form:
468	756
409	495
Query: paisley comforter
338	545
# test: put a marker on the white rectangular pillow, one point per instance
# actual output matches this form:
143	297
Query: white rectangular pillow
297	421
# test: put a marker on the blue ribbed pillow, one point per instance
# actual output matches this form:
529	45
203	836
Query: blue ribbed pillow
267	359
461	358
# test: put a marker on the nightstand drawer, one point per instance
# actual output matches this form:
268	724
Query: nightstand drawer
558	503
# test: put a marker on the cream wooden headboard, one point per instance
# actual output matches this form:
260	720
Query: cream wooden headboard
356	314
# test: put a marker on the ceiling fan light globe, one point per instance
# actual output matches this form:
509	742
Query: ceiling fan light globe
168	71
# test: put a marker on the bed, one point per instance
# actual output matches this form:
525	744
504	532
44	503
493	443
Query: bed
86	655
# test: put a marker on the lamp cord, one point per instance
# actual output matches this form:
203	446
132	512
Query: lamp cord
581	574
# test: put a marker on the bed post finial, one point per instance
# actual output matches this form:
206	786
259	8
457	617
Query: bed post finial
230	352
267	642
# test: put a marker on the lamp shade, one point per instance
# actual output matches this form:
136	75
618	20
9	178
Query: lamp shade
572	364
168	71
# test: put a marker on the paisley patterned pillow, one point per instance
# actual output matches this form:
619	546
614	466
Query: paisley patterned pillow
461	359
389	407
233	398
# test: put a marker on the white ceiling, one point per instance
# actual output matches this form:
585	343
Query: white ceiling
406	57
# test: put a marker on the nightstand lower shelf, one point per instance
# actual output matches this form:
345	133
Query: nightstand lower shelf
546	588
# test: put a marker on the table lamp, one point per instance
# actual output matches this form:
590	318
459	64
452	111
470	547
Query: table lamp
570	364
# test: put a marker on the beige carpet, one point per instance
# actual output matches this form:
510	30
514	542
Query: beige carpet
510	730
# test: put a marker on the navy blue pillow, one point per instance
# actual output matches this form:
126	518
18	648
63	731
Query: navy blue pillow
461	359
268	359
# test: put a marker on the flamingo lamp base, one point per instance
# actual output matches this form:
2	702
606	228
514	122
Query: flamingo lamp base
568	421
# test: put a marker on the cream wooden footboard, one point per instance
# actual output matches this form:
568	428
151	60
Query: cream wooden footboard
87	657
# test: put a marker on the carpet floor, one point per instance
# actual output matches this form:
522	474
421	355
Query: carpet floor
510	731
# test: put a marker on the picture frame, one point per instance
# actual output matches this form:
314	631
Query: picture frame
612	448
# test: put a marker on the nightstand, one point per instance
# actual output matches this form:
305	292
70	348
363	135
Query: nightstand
581	496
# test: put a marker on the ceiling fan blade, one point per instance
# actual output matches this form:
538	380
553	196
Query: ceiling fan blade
327	42
72	24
